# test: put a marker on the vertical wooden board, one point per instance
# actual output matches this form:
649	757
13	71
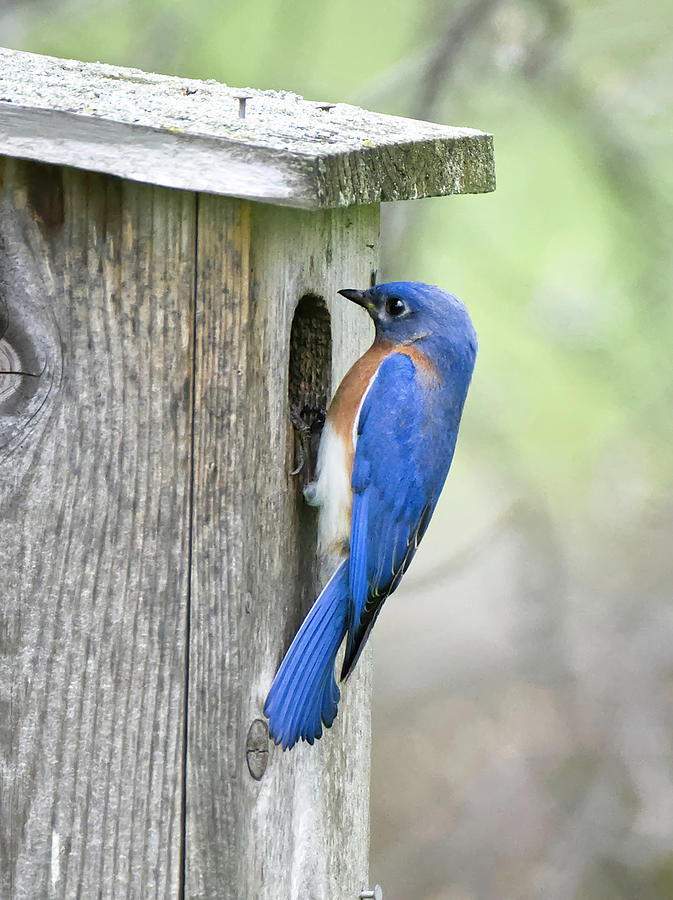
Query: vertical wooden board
302	831
97	278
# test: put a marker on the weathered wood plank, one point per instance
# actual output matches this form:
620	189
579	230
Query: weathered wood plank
301	830
96	278
184	133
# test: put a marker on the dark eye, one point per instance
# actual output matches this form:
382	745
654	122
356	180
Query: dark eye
395	306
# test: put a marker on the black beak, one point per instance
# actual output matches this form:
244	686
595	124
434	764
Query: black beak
362	298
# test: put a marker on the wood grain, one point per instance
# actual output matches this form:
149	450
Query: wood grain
302	830
156	555
97	277
187	134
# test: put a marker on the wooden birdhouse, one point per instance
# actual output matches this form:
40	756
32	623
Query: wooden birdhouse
170	253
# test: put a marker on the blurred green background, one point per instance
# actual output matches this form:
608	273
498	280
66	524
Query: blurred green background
523	710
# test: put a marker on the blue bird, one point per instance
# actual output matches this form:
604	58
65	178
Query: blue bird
385	451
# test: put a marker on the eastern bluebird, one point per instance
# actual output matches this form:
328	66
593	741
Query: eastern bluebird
384	454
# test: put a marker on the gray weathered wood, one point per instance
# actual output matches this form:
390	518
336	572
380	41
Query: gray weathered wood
303	829
96	282
187	134
156	554
112	484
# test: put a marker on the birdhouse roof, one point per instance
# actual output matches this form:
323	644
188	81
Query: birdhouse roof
271	146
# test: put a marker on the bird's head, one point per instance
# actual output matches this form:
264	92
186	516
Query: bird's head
408	311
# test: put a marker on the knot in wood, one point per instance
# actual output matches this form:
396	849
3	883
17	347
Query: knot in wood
10	361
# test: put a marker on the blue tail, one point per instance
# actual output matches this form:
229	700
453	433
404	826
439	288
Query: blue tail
304	694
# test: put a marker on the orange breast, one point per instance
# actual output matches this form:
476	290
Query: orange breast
346	401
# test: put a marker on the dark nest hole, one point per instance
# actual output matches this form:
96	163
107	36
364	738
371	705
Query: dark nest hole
309	387
309	381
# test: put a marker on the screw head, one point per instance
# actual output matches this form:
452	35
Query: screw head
257	748
376	894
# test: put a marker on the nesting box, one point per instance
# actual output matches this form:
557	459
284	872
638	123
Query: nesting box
170	253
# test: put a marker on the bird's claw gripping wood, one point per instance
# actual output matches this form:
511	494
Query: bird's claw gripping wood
308	424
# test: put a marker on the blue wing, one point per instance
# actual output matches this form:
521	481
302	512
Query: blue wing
406	439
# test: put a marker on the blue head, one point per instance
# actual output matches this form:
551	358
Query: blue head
406	312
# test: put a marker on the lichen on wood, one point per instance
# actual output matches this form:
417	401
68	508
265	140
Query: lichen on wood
183	133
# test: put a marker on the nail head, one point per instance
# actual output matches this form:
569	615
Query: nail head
242	98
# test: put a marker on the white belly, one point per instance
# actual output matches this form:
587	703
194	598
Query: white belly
333	494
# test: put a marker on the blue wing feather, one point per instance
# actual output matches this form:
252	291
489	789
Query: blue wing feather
401	460
358	583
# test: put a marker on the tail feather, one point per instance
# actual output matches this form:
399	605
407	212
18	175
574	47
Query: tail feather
300	682
330	703
304	693
312	676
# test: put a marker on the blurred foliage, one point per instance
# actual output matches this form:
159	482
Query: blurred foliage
533	758
566	267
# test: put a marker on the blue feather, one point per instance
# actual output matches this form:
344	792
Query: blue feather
358	562
304	693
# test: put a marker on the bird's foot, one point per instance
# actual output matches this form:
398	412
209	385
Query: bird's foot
307	423
311	493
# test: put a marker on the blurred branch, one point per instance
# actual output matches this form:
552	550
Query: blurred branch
457	32
556	27
8	5
622	158
440	62
618	156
